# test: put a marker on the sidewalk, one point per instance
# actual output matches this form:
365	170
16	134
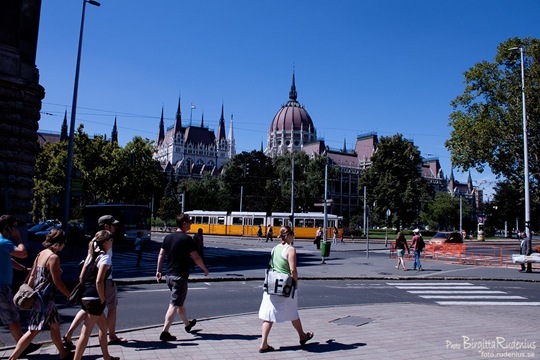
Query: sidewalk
362	331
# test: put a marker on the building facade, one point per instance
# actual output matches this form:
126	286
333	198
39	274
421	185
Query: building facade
293	130
192	151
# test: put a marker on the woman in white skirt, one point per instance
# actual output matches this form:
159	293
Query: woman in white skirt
279	308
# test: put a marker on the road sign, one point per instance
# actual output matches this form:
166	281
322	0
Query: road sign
388	212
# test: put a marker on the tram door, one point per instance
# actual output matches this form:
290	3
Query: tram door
247	229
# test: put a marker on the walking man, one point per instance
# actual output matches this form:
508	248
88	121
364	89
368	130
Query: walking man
525	247
418	245
11	245
177	248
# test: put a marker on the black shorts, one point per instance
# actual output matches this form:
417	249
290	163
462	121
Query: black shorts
93	307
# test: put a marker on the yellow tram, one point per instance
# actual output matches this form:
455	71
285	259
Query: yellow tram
246	223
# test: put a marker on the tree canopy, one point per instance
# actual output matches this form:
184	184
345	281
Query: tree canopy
394	182
487	118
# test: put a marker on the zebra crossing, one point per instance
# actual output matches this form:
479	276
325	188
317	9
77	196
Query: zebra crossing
462	293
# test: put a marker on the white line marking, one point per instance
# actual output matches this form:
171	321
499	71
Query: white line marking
158	290
471	297
430	284
456	292
441	287
489	303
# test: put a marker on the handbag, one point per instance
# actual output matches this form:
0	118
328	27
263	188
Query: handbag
276	283
26	296
76	294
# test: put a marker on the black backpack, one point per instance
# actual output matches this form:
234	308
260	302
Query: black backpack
420	244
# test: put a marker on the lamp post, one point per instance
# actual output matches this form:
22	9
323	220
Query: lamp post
525	147
69	167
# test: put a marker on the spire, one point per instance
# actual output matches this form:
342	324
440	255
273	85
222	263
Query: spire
202	120
178	121
469	182
262	146
292	93
345	145
114	133
64	130
161	135
230	140
221	129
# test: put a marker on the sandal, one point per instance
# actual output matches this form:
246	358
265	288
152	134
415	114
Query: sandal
118	341
309	337
68	344
266	349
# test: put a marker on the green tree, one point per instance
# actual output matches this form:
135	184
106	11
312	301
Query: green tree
443	213
251	174
308	182
487	117
393	184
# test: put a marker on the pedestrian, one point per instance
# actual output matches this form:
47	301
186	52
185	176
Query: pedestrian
334	235
525	248
93	300
269	235
198	238
418	244
46	270
400	245
259	234
138	245
109	223
177	248
280	308
318	238
11	245
341	238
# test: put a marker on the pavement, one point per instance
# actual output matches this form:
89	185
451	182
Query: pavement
361	331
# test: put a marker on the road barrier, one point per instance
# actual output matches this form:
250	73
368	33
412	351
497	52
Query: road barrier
457	253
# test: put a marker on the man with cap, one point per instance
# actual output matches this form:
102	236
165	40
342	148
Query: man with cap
11	245
105	222
418	245
178	247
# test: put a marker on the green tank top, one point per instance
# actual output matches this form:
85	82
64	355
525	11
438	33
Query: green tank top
280	264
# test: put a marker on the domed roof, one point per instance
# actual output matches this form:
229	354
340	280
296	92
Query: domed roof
292	115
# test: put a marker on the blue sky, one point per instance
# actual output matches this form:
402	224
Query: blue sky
388	66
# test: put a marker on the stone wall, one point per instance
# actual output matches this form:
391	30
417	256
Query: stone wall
20	104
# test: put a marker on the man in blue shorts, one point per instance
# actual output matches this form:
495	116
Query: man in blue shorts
178	247
11	245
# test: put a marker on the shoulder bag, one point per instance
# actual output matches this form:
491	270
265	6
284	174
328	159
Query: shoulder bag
26	296
276	283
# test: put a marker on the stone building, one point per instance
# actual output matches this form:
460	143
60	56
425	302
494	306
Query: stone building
292	130
20	104
191	151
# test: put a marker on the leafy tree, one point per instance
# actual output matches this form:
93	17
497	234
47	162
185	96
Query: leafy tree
308	182
443	213
391	183
487	118
254	172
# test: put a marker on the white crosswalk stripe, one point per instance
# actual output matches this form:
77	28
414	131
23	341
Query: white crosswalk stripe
462	293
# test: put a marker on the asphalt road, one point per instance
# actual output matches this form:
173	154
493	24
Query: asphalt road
145	304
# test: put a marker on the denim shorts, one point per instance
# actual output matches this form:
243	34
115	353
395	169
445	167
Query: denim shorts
400	252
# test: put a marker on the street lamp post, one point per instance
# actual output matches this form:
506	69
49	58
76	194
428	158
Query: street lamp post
69	167
525	147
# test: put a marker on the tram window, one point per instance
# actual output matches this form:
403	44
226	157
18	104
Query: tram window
221	220
299	222
258	221
278	222
310	223
194	220
237	220
319	222
205	220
